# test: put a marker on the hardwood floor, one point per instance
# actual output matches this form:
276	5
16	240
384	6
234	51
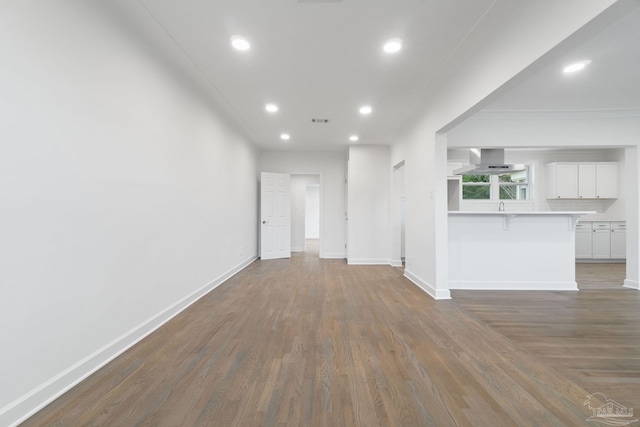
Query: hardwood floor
312	342
592	337
600	275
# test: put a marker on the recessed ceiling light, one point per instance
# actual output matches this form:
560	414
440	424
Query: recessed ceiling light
272	108
365	109
353	138
576	67
392	45
240	43
285	136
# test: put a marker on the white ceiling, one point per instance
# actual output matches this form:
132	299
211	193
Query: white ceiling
611	83
324	59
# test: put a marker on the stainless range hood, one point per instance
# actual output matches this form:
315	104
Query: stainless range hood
488	161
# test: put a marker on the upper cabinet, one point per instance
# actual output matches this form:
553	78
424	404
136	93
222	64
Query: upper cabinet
562	181
582	180
607	180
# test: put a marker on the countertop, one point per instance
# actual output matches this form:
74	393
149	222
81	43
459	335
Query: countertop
522	212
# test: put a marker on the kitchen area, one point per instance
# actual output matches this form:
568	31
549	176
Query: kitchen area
523	218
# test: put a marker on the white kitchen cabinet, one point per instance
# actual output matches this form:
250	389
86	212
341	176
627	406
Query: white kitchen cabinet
601	239
606	180
618	240
598	180
587	181
562	181
584	240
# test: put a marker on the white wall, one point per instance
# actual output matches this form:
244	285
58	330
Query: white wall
312	212
331	165
124	195
299	185
369	205
484	66
632	156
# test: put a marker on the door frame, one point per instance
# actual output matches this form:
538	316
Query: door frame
397	214
321	213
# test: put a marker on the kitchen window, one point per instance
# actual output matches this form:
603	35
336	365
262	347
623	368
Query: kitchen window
508	186
476	187
514	186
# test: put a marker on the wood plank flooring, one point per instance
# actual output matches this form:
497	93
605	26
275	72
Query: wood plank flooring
600	275
311	342
592	337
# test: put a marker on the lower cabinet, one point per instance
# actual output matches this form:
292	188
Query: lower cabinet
584	240
618	240
600	240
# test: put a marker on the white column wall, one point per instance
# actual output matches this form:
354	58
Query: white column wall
125	195
632	177
369	205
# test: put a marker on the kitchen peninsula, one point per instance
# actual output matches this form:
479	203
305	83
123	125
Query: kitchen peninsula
512	250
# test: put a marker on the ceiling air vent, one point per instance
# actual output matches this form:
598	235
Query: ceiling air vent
319	120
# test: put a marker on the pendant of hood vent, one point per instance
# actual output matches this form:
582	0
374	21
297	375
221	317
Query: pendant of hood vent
488	161
319	120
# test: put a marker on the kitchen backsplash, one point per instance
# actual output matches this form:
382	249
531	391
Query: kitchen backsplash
476	205
600	206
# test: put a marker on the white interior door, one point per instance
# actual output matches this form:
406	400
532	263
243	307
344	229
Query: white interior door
275	216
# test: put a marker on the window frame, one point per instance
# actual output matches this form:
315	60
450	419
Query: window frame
494	189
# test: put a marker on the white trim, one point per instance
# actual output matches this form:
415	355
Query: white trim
396	263
513	285
556	114
434	293
28	404
333	255
368	261
632	284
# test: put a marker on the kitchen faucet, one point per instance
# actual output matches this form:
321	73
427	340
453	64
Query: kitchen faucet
501	207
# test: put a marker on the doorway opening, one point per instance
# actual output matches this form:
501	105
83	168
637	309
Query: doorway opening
306	214
398	212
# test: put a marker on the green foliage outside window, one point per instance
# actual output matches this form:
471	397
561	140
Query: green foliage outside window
478	187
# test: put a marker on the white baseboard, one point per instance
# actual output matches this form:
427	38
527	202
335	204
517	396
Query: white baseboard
333	255
367	261
27	405
425	286
513	286
633	284
396	263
